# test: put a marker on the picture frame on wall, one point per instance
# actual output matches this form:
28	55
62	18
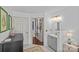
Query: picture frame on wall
3	20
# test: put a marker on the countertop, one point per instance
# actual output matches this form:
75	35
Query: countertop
17	37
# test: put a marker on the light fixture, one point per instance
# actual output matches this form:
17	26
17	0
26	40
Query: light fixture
57	18
69	34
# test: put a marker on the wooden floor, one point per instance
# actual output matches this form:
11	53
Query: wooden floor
37	41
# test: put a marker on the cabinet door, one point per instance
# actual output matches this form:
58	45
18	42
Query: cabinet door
7	47
0	47
17	46
52	42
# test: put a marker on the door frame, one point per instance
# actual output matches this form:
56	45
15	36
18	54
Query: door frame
35	30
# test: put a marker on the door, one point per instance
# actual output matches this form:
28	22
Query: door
38	31
21	26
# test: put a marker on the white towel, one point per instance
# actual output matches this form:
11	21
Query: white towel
7	40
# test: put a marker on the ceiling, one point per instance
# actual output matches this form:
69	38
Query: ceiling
33	9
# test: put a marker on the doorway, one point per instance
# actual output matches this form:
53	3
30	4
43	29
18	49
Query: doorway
38	31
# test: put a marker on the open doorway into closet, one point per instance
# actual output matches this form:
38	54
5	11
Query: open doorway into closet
38	30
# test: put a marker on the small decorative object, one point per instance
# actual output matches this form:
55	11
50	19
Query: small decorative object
12	33
69	35
69	41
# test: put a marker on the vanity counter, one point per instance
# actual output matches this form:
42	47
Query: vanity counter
14	45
